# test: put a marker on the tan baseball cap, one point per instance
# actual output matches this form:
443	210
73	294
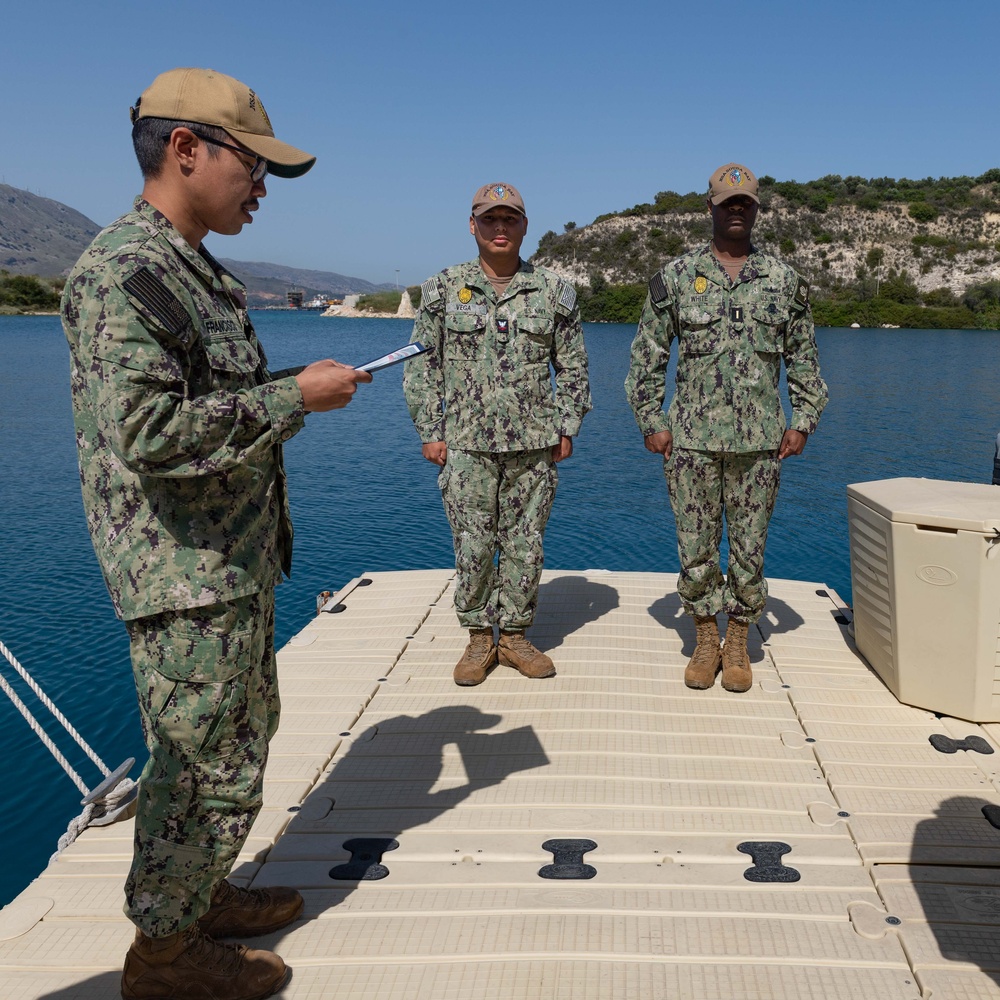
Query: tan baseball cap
202	95
730	180
497	196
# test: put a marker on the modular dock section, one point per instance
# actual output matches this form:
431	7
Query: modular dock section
607	833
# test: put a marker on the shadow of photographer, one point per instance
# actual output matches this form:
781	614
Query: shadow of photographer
954	876
398	774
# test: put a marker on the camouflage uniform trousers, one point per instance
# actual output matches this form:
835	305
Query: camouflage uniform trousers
208	698
702	485
498	504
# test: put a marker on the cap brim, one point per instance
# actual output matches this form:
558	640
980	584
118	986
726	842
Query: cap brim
282	160
483	209
735	193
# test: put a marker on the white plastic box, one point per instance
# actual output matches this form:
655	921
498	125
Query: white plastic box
925	571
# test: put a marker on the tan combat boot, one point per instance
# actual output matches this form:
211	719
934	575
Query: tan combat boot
477	659
189	964
736	673
515	651
704	663
239	912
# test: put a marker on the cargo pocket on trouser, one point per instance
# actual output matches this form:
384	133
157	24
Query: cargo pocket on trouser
196	675
205	697
170	885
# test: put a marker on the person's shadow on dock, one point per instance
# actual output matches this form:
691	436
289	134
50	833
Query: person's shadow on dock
566	604
400	773
954	870
778	617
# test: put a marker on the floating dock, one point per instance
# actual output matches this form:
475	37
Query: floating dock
607	833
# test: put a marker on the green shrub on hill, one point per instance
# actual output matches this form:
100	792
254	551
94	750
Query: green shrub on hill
925	199
606	303
896	302
24	293
380	302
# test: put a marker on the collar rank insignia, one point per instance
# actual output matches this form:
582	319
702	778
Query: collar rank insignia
465	295
700	284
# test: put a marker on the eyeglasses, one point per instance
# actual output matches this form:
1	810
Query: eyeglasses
259	169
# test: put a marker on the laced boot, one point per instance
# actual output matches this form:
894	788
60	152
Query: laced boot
704	663
477	659
237	912
736	673
515	651
190	964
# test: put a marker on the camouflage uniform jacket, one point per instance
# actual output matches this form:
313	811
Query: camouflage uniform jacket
485	383
178	422
731	339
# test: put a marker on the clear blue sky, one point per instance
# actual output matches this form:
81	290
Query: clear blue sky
586	108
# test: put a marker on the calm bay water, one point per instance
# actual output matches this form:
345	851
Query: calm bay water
903	403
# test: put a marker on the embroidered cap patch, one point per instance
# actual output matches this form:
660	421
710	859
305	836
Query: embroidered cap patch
735	177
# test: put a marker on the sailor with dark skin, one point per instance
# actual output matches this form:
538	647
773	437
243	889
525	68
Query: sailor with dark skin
732	223
738	317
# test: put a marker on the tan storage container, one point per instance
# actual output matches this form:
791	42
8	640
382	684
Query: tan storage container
925	571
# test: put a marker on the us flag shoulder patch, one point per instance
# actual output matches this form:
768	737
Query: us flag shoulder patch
657	288
429	292
165	306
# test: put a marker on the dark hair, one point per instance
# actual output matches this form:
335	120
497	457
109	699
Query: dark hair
150	146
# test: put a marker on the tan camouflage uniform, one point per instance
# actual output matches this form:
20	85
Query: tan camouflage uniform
725	416
485	389
179	427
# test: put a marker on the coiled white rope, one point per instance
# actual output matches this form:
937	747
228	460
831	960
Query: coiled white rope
109	798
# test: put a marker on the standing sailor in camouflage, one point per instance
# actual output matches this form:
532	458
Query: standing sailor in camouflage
735	313
179	428
483	405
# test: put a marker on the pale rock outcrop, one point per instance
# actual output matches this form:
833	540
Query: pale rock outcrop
350	310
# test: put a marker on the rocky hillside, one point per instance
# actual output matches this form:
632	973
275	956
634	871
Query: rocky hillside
38	235
42	237
267	284
944	235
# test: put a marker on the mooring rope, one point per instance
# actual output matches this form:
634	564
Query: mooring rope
95	805
63	721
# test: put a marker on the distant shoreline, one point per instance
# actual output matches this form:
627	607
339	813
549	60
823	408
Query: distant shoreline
353	314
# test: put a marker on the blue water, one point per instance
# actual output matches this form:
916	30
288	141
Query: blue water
903	403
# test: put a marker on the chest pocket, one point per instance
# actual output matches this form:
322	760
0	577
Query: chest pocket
463	336
769	320
700	331
230	353
534	338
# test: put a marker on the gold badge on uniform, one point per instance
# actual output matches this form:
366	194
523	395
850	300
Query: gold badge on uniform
465	295
700	284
